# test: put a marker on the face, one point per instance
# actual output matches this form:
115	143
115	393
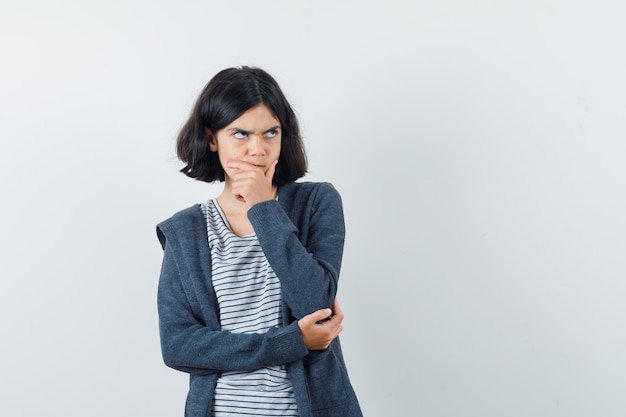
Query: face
254	138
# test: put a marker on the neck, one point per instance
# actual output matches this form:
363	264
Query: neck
229	203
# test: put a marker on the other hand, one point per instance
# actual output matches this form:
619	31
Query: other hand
321	327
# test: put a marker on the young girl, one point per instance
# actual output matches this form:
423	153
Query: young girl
247	290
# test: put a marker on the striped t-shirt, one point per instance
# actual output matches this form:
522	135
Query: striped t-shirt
248	295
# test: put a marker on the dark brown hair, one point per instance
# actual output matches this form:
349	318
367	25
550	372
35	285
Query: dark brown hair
228	95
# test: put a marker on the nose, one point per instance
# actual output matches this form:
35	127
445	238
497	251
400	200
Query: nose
256	146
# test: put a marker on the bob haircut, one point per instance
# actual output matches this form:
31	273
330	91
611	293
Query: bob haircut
229	94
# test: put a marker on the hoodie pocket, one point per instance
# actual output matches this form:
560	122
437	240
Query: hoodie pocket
325	379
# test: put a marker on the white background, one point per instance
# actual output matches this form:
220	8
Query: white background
479	147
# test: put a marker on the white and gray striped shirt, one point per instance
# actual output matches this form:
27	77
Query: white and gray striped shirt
248	295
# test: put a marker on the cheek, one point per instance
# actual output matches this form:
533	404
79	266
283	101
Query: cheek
227	155
224	161
277	149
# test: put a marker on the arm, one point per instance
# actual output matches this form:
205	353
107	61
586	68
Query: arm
191	339
307	261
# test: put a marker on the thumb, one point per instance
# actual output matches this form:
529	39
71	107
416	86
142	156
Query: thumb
269	174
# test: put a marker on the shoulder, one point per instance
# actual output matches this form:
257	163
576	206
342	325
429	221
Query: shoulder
308	190
183	224
305	199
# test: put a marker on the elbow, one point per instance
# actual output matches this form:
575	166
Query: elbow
323	299
169	357
171	350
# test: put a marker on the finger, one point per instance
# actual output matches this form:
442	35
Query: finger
269	174
241	176
241	165
317	315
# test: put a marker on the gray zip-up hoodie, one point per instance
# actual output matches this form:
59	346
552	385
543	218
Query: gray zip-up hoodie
302	236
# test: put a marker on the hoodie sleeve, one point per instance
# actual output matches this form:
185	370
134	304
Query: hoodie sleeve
191	338
307	258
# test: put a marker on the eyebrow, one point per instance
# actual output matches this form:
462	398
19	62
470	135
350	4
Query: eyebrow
236	129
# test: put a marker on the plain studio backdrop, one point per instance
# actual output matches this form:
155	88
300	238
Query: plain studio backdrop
480	149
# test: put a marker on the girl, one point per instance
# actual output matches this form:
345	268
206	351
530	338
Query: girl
246	296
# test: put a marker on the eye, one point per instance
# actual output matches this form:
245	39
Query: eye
271	133
240	134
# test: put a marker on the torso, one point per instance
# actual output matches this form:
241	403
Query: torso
249	300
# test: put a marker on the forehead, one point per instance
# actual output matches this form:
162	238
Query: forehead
257	117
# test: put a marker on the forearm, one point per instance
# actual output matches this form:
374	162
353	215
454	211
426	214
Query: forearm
198	349
191	337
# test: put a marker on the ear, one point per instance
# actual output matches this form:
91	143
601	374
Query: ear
210	139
